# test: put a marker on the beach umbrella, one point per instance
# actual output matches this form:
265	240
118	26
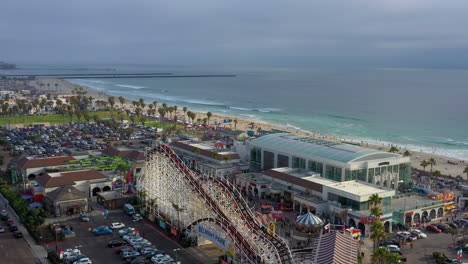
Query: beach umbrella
309	219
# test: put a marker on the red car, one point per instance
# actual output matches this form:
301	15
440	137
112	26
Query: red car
433	229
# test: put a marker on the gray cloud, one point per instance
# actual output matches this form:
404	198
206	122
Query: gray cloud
263	32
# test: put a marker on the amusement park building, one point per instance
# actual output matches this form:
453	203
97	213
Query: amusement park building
342	202
210	159
332	160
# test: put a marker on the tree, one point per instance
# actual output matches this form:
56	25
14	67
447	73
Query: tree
377	233
424	164
393	258
141	101
185	112
393	149
121	100
138	111
96	118
143	120
208	115
466	171
178	209
375	200
437	173
111	101
376	212
407	153
235	124
380	256
252	125
432	162
162	113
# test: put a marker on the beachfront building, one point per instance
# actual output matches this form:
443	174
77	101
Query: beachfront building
211	158
332	160
342	203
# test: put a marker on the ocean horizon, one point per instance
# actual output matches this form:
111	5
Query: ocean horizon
415	109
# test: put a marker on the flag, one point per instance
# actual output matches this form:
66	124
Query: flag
327	227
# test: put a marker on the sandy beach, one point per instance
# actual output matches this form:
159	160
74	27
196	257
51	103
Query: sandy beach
64	87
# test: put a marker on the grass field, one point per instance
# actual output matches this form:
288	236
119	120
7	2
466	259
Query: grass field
60	119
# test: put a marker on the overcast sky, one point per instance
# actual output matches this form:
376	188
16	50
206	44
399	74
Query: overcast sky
382	33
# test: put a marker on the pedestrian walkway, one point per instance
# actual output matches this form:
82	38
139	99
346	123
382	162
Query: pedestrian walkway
38	251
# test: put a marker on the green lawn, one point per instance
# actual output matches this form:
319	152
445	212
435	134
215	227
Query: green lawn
60	119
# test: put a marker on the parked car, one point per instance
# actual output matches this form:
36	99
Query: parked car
394	250
13	227
139	260
453	225
117	225
116	243
442	227
406	236
391	242
102	230
84	218
161	258
129	254
126	231
433	228
124	248
2	230
418	233
83	261
18	234
136	217
4	213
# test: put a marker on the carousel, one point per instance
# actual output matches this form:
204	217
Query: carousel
306	228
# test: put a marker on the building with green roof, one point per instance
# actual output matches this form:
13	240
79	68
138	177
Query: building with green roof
332	160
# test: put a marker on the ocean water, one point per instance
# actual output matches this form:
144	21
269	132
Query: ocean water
415	109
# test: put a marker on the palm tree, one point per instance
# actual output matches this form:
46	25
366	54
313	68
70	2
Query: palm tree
155	103
375	200
393	150
407	153
377	233
376	211
178	209
143	120
252	125
111	101
162	113
185	111
466	171
424	164
393	258
432	162
235	124
122	100
208	115
380	256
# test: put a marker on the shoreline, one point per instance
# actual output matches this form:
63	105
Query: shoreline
243	124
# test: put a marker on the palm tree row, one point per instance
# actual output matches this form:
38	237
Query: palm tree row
431	162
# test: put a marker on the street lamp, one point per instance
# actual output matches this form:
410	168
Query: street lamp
175	250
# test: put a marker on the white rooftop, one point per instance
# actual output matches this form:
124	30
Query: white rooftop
358	191
299	173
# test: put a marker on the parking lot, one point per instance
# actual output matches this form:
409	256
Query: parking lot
95	247
423	248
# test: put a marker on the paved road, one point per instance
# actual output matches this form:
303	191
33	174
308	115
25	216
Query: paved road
18	250
95	247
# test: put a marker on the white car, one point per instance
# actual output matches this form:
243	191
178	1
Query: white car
418	233
161	258
83	261
117	225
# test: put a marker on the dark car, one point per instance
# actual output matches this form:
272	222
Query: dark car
13	227
433	228
394	250
453	225
18	234
116	243
391	242
442	227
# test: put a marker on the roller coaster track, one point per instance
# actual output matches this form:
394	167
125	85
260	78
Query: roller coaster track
233	214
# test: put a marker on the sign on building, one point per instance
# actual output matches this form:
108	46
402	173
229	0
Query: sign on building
213	236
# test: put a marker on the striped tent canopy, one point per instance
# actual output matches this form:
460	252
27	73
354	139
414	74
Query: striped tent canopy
309	219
